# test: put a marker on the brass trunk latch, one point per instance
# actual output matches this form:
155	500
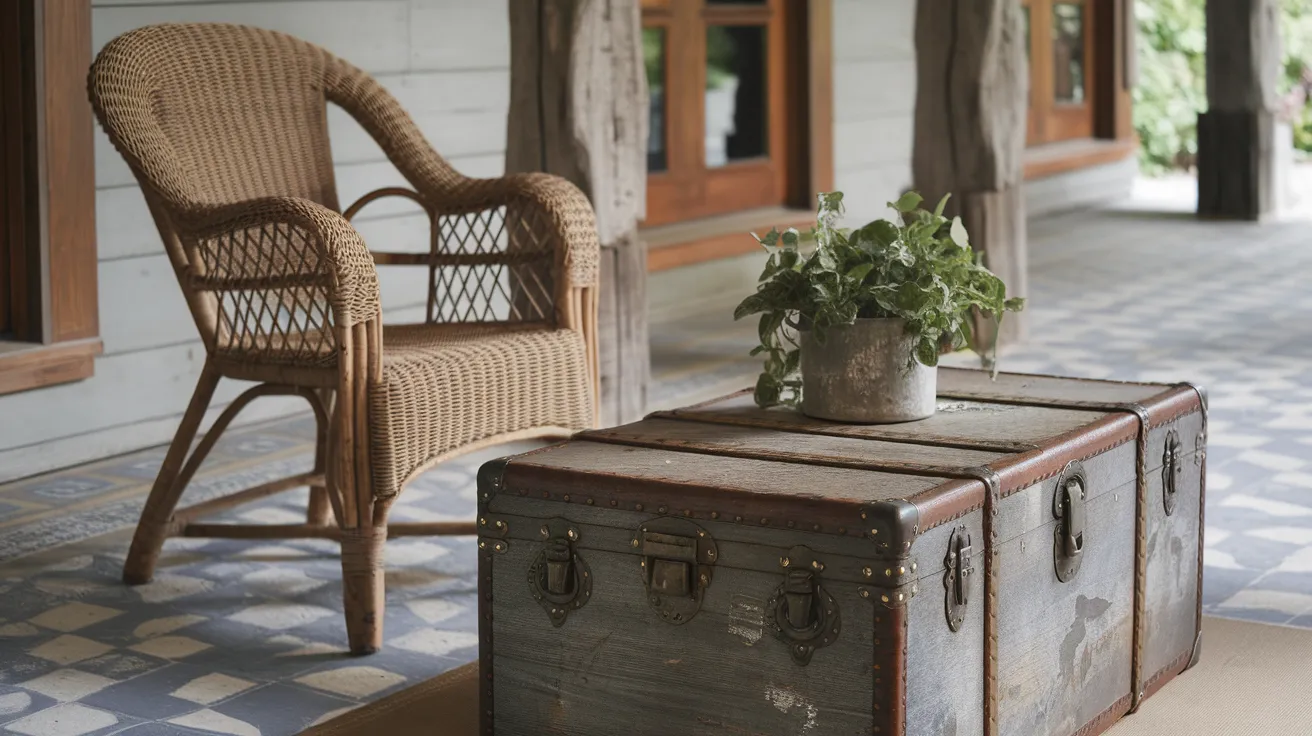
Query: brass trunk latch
956	579
677	564
1068	507
805	616
558	577
1172	469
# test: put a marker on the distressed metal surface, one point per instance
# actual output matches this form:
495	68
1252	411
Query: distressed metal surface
860	373
615	667
944	670
1170	615
1064	648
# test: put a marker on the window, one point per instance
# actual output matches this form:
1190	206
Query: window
48	303
1061	53
722	74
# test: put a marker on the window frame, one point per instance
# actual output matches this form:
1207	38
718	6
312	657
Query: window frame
1049	120
48	195
687	189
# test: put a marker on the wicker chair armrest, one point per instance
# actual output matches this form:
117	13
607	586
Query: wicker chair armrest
549	206
284	243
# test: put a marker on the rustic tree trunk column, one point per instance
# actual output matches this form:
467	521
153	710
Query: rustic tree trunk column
972	80
578	109
1236	136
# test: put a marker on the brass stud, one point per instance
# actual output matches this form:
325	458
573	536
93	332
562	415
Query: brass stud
573	534
614	503
901	570
660	510
865	593
883	598
765	521
482	544
710	554
565	498
817	564
588	502
901	596
500	525
867	571
701	533
638	507
715	514
482	521
635	543
863	514
888	573
784	562
737	518
913	567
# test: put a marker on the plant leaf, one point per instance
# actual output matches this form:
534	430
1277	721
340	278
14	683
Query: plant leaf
908	202
958	233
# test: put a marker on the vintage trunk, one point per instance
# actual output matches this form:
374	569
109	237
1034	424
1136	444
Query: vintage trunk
1027	561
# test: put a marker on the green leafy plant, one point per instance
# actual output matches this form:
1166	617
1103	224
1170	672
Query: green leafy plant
918	267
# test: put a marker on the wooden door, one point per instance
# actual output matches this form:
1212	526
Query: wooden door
717	71
1061	53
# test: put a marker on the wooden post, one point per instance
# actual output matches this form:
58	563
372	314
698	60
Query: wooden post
578	109
972	81
1236	136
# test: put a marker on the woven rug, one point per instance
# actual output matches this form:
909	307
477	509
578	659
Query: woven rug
247	637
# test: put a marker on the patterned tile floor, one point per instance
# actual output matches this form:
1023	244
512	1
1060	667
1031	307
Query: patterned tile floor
246	638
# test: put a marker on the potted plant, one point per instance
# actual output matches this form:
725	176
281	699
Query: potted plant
863	315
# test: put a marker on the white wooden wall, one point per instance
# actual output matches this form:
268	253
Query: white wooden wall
448	63
874	100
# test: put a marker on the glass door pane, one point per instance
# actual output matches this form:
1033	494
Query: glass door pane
653	56
737	109
1068	43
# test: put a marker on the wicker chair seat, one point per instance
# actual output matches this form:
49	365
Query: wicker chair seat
445	387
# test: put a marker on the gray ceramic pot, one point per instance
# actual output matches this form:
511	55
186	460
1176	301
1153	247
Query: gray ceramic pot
860	374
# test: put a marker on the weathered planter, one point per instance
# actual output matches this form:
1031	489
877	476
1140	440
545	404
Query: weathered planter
860	374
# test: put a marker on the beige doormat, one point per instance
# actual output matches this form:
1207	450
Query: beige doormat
1253	679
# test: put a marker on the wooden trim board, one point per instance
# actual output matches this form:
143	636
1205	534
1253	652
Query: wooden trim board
25	366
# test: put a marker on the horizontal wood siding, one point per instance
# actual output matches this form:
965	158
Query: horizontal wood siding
447	61
874	100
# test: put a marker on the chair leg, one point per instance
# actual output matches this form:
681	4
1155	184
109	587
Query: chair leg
152	529
362	587
319	510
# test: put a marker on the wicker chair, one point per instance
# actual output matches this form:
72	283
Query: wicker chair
225	129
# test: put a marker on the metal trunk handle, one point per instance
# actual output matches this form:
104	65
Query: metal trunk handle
558	578
1068	506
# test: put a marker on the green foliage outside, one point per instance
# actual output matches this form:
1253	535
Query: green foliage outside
918	267
1172	85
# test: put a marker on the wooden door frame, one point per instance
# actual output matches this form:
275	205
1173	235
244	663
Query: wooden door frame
808	159
49	199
